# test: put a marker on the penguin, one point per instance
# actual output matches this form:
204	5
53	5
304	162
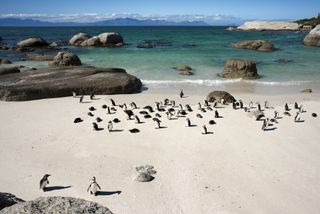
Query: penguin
78	120
92	96
250	104
215	103
203	110
92	108
199	106
113	109
44	182
149	108
209	108
108	110
116	120
259	106
286	107
157	115
216	114
158	107
181	107
276	115
169	115
297	117
265	124
287	113
301	109
133	105
95	126
110	126
137	119
234	105
104	106
158	121
222	101
188	122
113	103
188	107
90	114
206	103
241	104
143	112
259	117
134	130
173	103
98	119
296	106
181	94
124	106
147	116
212	122
314	115
81	99
266	105
166	101
74	94
129	113
204	129
199	116
93	187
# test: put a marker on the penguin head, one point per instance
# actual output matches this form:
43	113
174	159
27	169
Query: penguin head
94	178
46	175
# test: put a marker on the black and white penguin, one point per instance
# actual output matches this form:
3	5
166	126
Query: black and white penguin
276	115
44	182
173	103
93	187
110	126
286	107
92	96
241	104
98	119
216	114
96	127
108	110
287	113
169	115
181	94
250	104
158	121
74	95
158	115
259	106
92	108
137	119
199	116
116	120
129	114
134	130
188	122
188	107
234	105
149	108
166	101
296	106
81	99
206	103
204	129
158	107
90	114
212	122
113	103
78	120
104	106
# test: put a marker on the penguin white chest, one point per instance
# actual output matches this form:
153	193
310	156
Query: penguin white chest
44	184
94	188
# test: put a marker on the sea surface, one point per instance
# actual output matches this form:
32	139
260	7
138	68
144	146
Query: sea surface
205	49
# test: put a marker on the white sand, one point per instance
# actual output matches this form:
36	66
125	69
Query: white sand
238	169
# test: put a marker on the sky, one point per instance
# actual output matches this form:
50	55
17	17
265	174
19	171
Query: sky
58	10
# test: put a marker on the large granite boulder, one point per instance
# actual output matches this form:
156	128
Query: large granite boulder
92	42
79	38
9	70
111	39
4	61
8	199
61	81
57	205
65	59
34	42
313	38
259	45
240	68
219	96
39	57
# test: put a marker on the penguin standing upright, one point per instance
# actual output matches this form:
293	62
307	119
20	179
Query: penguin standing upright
110	126
81	99
286	107
93	187
241	104
181	94
234	105
44	182
137	119
216	114
74	94
204	129
188	122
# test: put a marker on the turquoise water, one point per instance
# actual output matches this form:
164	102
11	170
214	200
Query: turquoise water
205	49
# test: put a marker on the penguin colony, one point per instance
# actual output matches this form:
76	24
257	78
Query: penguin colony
165	110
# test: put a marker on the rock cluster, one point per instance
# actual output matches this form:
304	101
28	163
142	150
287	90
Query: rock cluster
108	39
65	59
8	199
144	173
258	45
240	68
218	96
60	81
313	38
57	205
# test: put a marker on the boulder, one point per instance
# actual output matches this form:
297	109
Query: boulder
39	57
313	38
4	61
65	59
8	199
111	39
269	26
79	38
61	81
9	70
57	205
219	96
258	45
240	68
144	173
34	42
54	45
92	42
184	70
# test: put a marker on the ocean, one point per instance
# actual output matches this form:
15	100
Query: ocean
205	49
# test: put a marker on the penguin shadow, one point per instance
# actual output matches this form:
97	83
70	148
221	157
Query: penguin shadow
161	127
96	99
141	122
219	117
207	133
192	125
84	102
116	130
219	107
106	193
53	188
99	129
299	121
270	129
174	118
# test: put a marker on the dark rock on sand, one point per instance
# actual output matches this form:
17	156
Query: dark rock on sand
57	205
313	38
34	42
8	199
61	81
154	43
240	68
308	90
39	57
9	70
4	61
184	70
258	45
65	59
79	38
219	96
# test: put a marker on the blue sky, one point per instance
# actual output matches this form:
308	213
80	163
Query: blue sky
244	9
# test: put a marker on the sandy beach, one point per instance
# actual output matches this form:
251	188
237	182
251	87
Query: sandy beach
237	169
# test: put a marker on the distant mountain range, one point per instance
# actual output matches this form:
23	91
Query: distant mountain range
112	22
